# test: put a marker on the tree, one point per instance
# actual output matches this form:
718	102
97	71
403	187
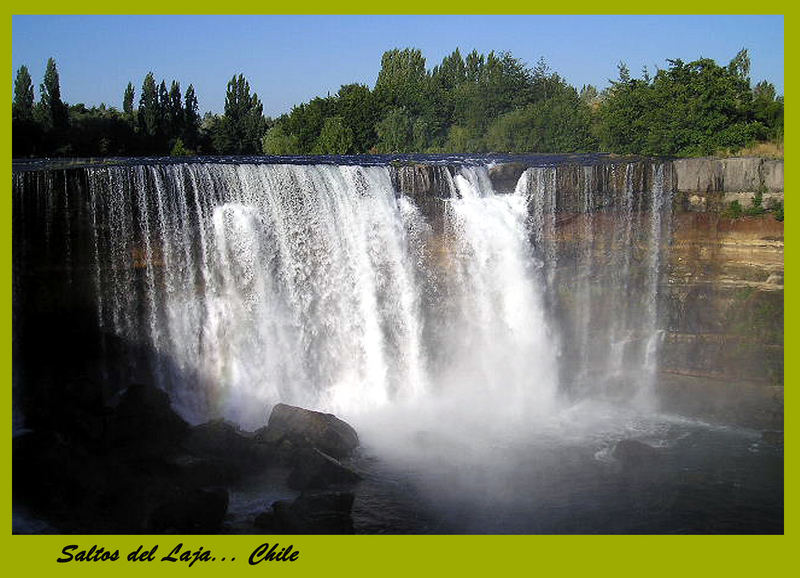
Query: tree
335	138
687	109
394	132
163	112
25	132
22	106
305	122
768	109
174	111
149	109
558	124
278	142
242	126
401	80
357	107
53	109
127	103
191	119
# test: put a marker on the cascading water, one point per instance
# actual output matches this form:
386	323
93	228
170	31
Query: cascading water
601	244
266	283
320	286
491	348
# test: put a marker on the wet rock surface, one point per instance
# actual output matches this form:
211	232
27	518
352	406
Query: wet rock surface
306	428
144	469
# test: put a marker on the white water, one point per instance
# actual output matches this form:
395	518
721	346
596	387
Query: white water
319	286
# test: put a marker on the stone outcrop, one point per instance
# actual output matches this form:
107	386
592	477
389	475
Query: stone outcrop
722	355
709	183
147	470
314	469
312	429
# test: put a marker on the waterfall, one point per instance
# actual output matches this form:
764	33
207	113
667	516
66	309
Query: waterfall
237	286
602	241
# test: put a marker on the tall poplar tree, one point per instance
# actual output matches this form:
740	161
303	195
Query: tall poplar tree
191	119
127	102
22	107
53	109
149	109
241	127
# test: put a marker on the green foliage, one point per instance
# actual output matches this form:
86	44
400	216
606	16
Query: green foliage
180	150
688	109
54	111
777	210
149	108
240	129
174	110
756	204
22	106
395	132
558	124
768	109
25	131
733	211
402	80
278	142
191	118
775	207
335	138
358	108
127	102
473	103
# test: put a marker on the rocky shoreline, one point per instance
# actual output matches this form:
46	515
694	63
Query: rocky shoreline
138	467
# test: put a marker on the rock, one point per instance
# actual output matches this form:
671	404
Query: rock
310	513
145	418
221	442
308	428
634	453
746	174
190	510
504	177
422	181
315	470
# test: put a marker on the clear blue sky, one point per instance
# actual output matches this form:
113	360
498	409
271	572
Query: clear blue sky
291	59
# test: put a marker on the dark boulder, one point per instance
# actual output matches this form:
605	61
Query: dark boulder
221	442
314	469
310	513
145	418
306	428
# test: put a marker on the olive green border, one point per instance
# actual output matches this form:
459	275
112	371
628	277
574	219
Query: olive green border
537	556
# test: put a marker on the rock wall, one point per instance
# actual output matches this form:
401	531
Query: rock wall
705	184
722	355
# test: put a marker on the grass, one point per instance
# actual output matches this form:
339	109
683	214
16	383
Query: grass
772	150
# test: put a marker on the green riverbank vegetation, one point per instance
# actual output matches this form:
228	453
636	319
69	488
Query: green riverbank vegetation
471	103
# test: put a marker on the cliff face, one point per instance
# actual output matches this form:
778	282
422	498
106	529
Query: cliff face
721	287
709	184
722	355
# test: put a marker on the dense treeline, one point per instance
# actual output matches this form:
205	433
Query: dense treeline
472	103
